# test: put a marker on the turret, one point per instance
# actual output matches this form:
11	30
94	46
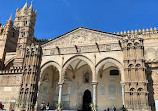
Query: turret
24	23
8	27
5	34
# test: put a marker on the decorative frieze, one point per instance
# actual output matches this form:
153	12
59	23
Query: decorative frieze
82	49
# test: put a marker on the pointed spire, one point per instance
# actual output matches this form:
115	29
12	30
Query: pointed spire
10	17
121	32
31	6
128	32
25	6
139	30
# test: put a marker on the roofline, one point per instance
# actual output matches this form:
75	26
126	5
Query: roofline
83	28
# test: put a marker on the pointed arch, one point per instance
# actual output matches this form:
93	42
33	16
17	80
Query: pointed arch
80	57
110	60
47	64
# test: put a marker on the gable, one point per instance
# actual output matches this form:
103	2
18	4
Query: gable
82	36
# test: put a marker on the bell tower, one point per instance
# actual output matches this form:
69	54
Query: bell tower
24	23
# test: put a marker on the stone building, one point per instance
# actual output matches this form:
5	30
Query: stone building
75	69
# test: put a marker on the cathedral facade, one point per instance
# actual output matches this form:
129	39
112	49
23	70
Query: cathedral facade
75	69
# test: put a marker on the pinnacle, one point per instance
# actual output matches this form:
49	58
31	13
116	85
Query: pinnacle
10	17
25	6
31	6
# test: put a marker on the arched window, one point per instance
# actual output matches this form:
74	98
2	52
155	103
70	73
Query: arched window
136	44
131	91
140	89
129	44
130	66
86	78
138	65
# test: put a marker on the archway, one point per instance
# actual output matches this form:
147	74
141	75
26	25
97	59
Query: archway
87	99
77	78
109	91
9	63
48	85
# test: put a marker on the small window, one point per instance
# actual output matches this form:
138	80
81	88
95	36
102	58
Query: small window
13	34
86	78
114	72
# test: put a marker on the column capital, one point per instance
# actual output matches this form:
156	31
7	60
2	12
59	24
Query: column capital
60	83
122	83
94	83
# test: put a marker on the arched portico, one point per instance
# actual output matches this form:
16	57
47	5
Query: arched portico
77	57
79	70
76	75
48	84
110	60
110	76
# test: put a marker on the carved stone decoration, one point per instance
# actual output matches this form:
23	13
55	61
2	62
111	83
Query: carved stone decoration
83	36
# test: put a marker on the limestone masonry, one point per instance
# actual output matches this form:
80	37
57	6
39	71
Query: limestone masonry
78	68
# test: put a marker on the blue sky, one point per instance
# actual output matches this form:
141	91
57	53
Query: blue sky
56	17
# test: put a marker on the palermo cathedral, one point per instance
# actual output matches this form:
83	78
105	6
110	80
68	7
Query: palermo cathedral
75	69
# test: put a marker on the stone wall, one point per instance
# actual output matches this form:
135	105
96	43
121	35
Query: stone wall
9	88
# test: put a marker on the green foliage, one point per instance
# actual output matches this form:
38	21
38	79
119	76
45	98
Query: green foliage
57	106
92	106
23	106
32	105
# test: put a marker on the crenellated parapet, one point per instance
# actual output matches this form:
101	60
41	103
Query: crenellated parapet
143	32
43	41
12	70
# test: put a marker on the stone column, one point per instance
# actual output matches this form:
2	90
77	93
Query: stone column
123	93
94	94
60	93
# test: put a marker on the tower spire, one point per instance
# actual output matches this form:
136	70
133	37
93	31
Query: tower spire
25	6
10	17
31	6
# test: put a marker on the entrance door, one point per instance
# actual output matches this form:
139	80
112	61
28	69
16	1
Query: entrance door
87	99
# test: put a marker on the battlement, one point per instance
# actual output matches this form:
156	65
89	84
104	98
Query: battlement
143	32
36	39
12	70
43	41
